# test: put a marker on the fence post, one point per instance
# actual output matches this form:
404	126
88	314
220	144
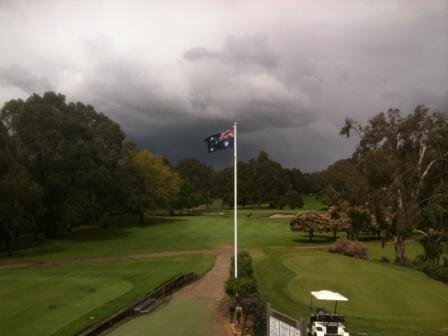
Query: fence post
268	315
303	326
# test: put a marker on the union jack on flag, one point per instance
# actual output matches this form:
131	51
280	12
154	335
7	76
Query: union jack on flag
219	141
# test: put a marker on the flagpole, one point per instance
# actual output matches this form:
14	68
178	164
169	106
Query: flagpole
235	198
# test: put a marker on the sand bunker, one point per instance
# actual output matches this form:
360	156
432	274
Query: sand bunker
279	216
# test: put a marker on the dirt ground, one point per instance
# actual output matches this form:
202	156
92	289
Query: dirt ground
200	308
210	289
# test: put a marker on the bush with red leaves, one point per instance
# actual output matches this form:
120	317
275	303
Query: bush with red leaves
351	248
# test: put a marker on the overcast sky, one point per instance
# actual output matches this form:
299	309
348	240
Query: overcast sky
173	72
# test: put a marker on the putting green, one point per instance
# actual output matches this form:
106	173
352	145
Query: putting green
64	299
384	299
181	317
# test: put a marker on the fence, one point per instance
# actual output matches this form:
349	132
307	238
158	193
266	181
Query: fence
280	324
147	303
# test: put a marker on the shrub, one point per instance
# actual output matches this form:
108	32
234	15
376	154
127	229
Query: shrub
243	286
430	268
244	265
351	248
385	259
404	262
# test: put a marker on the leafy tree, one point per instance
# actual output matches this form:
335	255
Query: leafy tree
311	221
340	221
198	176
344	181
403	158
292	199
71	151
432	243
269	180
360	220
155	185
186	198
20	196
19	205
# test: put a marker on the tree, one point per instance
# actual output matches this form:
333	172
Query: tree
269	180
198	176
20	205
431	240
311	221
292	199
344	181
155	185
20	196
360	220
186	198
340	221
403	159
71	151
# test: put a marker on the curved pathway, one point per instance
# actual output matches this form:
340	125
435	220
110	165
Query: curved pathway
206	304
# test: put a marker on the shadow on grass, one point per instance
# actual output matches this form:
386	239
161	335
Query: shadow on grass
119	228
317	239
129	221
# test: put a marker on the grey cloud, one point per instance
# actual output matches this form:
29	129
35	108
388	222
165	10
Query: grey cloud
289	77
201	53
251	50
18	76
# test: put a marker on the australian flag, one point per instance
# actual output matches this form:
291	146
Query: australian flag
223	140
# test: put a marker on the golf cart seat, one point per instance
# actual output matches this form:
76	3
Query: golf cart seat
321	311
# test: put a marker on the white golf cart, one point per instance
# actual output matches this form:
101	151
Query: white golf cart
323	323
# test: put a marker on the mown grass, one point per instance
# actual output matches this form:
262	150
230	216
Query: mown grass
384	299
196	320
208	231
63	300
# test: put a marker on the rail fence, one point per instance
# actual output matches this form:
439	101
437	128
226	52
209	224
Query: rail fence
144	305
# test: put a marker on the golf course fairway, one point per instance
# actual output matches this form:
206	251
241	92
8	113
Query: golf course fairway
384	299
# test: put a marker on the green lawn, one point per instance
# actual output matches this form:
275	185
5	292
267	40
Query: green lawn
196	319
310	202
207	231
384	299
62	300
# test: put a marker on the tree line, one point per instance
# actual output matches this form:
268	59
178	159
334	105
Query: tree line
64	165
261	181
396	181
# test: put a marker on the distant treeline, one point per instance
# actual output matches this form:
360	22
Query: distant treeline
260	181
64	165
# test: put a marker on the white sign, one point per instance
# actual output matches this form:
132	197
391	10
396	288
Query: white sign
279	328
274	327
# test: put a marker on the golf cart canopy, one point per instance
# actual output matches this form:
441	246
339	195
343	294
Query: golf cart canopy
327	295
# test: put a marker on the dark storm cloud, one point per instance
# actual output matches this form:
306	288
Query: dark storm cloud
18	76
172	73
